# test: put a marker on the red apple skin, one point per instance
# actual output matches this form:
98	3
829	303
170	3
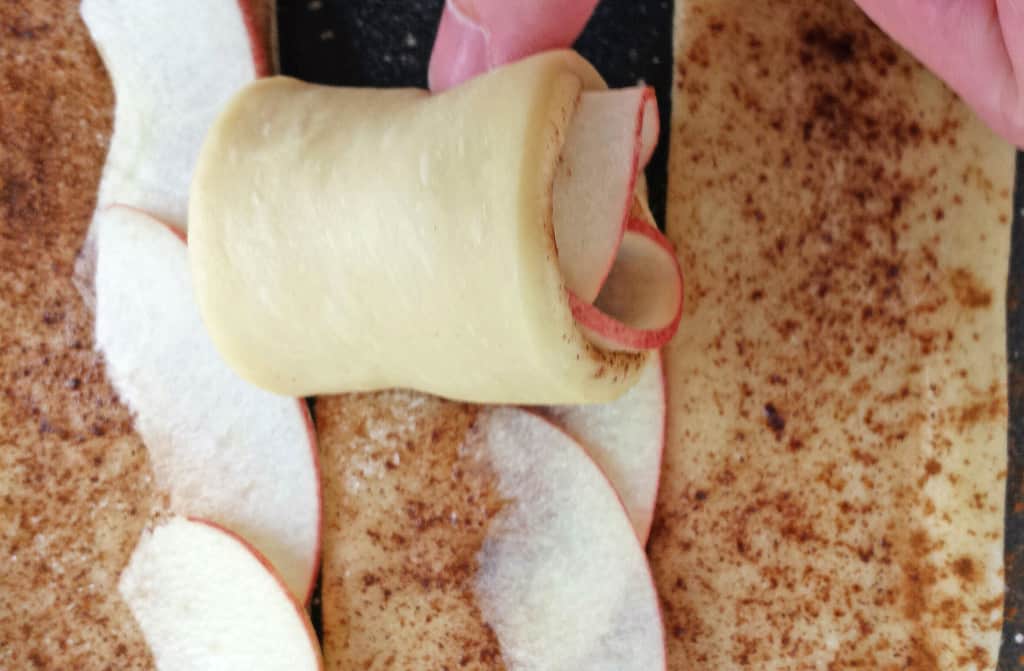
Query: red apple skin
177	232
259	54
299	608
310	435
641	546
621	335
315	448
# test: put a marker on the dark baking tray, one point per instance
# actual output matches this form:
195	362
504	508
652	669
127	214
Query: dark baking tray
387	43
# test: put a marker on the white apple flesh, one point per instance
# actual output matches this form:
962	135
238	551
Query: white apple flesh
173	66
562	580
626	438
620	272
220	448
206	600
594	183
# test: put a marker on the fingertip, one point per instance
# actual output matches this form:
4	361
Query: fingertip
476	35
459	53
522	28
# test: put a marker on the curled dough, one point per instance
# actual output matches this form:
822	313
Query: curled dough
354	239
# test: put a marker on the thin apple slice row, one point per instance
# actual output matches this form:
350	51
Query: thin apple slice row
220	448
594	182
640	304
173	66
206	599
562	580
626	438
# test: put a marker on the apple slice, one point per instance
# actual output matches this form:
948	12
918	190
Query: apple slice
173	66
626	438
459	531
220	448
623	280
640	304
562	579
206	599
595	179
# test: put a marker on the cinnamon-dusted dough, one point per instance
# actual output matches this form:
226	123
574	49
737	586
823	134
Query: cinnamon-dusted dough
354	239
835	467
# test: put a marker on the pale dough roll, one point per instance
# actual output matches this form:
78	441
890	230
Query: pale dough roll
354	239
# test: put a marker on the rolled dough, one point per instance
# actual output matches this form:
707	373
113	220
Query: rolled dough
360	239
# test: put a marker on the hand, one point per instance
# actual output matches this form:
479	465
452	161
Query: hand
977	46
478	35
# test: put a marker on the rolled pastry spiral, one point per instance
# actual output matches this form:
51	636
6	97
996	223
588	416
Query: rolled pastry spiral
346	239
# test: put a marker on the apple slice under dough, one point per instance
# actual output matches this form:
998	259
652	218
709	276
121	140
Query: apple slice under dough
173	65
221	448
562	579
205	599
626	438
